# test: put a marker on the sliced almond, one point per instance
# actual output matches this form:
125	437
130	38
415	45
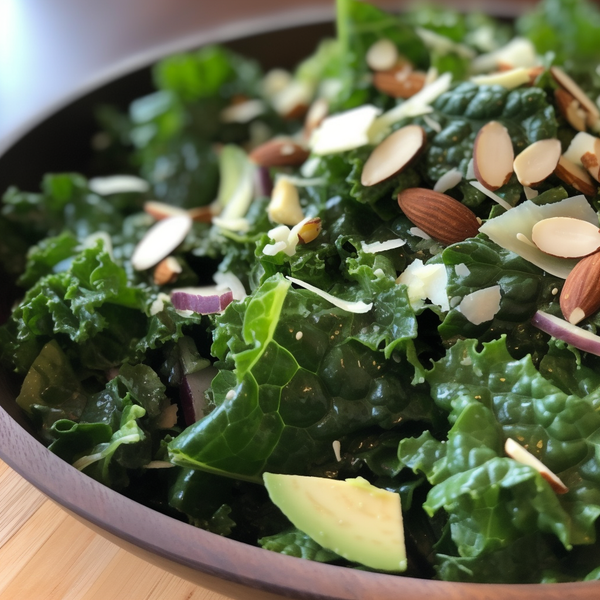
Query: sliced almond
574	175
284	207
394	154
580	296
522	455
309	230
401	82
279	152
438	215
537	162
318	110
591	161
566	237
202	214
160	240
493	156
581	144
382	55
565	81
166	271
570	109
161	210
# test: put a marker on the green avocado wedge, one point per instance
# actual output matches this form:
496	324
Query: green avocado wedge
352	518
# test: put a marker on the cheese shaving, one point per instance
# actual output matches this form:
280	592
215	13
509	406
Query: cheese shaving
382	246
479	186
352	307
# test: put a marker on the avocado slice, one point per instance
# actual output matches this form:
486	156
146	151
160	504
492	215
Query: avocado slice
353	518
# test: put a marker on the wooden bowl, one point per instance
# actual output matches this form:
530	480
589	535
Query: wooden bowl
232	568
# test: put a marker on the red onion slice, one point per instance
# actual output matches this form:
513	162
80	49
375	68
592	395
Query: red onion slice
204	300
191	394
571	334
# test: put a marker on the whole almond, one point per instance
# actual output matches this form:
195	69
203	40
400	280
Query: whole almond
438	215
401	82
580	296
279	152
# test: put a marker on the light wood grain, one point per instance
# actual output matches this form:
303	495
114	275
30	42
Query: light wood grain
45	554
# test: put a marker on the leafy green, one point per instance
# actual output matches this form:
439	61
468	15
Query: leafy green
285	419
567	28
296	543
524	288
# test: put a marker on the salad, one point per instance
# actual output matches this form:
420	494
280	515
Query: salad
380	269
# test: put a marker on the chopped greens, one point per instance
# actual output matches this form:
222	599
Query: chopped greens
358	344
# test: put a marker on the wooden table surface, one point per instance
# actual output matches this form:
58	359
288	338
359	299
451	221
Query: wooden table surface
45	554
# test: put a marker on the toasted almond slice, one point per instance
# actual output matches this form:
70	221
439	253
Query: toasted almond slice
394	154
570	109
593	114
493	156
203	214
382	55
574	175
279	152
160	240
591	161
438	215
566	237
166	271
309	230
161	210
399	83
318	110
537	162
520	454
580	296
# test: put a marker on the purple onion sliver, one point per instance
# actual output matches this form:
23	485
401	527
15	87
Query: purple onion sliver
565	331
263	182
205	305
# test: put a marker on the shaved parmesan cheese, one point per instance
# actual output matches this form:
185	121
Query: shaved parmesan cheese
530	192
352	307
239	224
382	246
444	45
503	203
481	306
344	131
471	170
432	123
337	450
462	270
581	144
117	184
425	282
419	233
507	79
448	180
243	112
159	304
416	105
519	52
504	230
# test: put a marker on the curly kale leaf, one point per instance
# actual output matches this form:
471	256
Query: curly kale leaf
306	373
469	474
464	109
523	287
